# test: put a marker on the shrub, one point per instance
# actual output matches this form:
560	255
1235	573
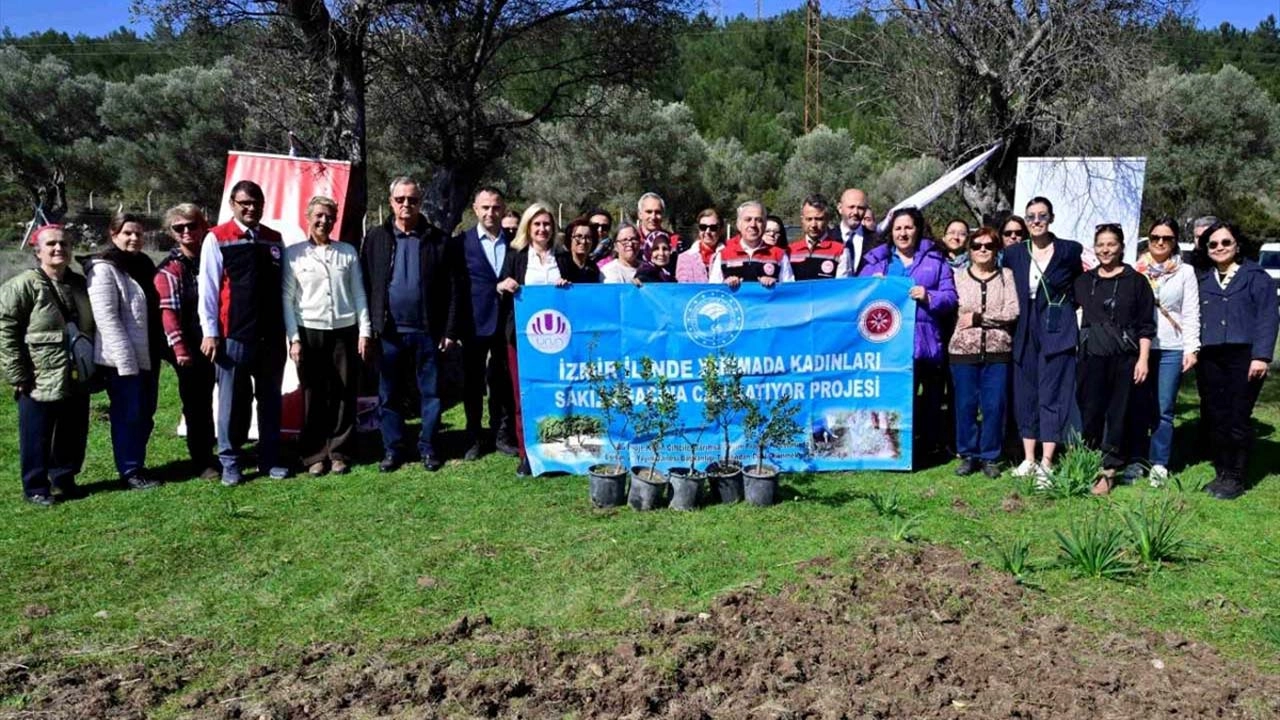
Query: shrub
1075	472
1014	558
1094	549
1156	529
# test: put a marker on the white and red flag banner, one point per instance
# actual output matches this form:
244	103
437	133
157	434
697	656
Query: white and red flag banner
288	183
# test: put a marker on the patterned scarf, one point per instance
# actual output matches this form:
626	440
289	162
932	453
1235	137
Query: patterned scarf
1154	270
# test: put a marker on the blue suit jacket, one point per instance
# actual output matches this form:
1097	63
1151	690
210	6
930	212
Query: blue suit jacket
1055	335
480	285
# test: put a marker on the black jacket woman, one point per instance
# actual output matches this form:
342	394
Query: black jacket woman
1239	319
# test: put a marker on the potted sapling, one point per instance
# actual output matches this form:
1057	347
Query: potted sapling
654	421
609	479
768	424
724	400
686	482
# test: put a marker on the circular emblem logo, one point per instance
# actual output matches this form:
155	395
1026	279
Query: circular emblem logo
275	252
828	267
770	269
880	321
713	318
548	331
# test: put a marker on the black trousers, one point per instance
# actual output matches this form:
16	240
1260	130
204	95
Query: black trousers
485	366
51	442
329	374
1104	386
1227	397
195	390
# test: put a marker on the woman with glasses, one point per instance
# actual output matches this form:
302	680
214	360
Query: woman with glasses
533	259
954	240
581	268
326	320
775	233
627	256
657	262
601	223
39	308
694	265
1173	351
1045	269
1238	318
934	291
1013	231
176	282
1117	325
979	354
126	312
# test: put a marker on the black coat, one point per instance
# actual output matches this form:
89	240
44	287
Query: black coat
439	271
515	266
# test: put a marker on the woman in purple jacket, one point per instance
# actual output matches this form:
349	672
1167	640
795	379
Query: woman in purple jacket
934	290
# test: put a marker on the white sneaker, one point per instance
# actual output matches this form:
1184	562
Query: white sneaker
1159	474
1043	471
1025	469
1132	472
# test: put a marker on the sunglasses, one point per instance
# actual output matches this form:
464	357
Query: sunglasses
1109	226
982	246
180	228
1160	239
406	200
600	226
1014	233
1224	243
1039	217
708	227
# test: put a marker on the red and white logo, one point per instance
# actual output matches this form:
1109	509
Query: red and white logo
549	331
880	321
828	267
770	269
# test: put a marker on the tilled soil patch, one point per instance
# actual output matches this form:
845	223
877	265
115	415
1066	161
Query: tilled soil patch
924	634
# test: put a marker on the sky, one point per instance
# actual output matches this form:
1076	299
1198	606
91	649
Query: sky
98	17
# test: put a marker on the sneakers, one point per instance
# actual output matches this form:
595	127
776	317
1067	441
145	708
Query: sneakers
967	466
40	500
1132	472
991	469
1026	468
141	482
1044	473
231	478
1159	474
277	472
316	469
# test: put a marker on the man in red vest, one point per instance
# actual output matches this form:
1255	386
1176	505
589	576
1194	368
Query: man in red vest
819	254
242	318
746	257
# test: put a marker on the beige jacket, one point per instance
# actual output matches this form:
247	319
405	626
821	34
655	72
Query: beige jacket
990	338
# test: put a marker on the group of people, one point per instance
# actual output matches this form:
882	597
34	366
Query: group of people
1001	313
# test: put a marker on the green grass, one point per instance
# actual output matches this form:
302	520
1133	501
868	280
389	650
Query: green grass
274	565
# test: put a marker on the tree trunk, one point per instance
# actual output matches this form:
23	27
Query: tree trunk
356	146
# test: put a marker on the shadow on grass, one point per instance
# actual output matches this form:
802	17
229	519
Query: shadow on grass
803	486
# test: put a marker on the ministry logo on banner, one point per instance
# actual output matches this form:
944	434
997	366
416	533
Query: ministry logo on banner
713	318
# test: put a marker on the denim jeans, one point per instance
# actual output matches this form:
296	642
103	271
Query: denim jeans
248	372
985	387
405	355
51	441
1166	366
132	415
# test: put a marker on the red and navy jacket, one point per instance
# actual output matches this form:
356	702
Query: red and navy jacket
240	283
820	261
766	261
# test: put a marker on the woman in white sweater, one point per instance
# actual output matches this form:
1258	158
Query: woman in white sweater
326	319
1173	352
126	310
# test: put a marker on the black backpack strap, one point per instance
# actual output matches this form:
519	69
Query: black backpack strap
68	314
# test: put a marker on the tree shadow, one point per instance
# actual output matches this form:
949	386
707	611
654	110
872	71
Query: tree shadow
802	486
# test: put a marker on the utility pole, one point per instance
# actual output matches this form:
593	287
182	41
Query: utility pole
812	67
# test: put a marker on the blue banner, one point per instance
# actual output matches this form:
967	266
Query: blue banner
842	349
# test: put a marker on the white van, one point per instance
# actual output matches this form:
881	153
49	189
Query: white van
1269	259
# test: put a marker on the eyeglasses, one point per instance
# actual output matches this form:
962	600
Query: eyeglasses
1223	243
580	238
601	227
982	246
708	227
406	200
1039	217
180	228
1014	233
628	241
1160	239
247	203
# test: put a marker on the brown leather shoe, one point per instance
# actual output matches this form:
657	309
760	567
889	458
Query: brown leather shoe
316	469
1105	482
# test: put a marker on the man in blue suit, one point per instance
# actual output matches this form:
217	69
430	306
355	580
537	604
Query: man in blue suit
484	346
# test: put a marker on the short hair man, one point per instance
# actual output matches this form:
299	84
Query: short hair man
747	257
413	305
481	251
819	254
242	318
650	209
853	232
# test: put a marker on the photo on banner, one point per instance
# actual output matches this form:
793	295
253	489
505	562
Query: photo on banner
841	348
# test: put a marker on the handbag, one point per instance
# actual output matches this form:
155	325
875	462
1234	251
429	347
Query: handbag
79	345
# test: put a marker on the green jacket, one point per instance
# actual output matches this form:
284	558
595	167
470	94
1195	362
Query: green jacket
33	347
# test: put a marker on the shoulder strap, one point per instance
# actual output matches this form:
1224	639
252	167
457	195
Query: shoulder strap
68	314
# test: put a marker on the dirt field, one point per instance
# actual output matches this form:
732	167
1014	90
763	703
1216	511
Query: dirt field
924	634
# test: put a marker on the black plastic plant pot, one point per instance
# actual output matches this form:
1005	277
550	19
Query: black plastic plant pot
760	483
648	491
726	478
686	488
608	485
